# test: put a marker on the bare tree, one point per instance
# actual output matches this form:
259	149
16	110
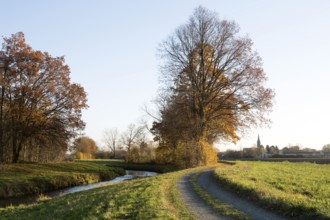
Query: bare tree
111	139
131	137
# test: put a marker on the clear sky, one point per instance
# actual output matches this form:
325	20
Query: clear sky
111	48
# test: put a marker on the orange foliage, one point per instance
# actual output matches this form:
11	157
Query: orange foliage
192	154
38	102
164	155
86	147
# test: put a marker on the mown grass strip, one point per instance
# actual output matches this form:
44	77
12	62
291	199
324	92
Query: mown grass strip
146	198
223	208
297	190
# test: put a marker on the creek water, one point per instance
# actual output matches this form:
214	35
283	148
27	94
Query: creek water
130	174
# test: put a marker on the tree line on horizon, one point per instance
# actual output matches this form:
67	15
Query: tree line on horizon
132	145
289	151
213	89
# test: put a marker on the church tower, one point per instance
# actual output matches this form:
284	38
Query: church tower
258	142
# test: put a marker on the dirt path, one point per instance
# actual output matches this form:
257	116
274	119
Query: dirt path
203	211
194	203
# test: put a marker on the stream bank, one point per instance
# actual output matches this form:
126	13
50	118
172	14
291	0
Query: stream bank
23	179
130	174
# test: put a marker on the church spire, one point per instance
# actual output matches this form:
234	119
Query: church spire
258	142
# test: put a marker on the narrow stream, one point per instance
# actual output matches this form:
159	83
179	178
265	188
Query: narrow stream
130	174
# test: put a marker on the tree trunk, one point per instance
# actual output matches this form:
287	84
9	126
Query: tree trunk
17	147
15	156
15	150
2	159
114	149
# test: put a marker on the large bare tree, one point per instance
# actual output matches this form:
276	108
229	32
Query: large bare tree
214	82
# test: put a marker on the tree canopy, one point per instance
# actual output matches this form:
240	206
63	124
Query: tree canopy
214	88
40	108
326	148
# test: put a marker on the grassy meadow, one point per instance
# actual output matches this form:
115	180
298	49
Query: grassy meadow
297	190
146	198
32	178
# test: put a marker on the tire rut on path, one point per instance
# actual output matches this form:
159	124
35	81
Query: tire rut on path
207	181
195	204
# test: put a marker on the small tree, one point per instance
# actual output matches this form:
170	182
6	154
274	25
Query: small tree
131	137
144	153
85	147
274	150
326	148
111	139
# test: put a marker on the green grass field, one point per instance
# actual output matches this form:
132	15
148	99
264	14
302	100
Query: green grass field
146	198
297	190
29	178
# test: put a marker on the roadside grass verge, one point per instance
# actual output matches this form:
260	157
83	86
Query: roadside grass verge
288	159
159	168
33	178
297	190
221	207
147	198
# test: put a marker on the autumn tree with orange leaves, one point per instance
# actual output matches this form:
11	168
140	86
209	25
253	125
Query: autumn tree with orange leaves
85	147
40	108
214	88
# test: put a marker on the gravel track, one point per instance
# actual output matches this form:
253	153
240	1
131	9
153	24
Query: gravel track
195	204
203	211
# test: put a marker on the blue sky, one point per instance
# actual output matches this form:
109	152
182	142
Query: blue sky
111	48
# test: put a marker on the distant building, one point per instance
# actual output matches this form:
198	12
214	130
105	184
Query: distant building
258	142
261	149
296	152
255	152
